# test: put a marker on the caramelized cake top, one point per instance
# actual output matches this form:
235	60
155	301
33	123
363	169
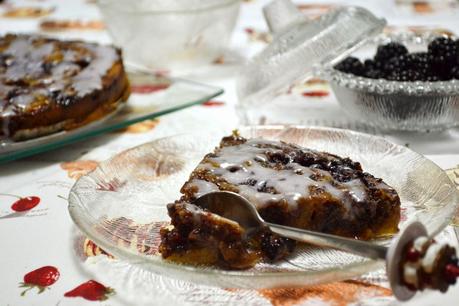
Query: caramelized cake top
38	72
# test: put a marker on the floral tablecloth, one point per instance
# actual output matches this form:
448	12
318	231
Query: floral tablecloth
45	260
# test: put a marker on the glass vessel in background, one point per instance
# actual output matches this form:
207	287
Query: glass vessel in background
172	35
300	48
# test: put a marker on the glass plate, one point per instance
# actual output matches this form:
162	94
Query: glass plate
121	205
153	96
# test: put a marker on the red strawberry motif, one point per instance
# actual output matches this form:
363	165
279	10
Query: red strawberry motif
316	93
92	291
213	103
148	88
24	204
40	278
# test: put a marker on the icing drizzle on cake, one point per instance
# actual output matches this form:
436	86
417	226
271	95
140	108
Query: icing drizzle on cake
251	167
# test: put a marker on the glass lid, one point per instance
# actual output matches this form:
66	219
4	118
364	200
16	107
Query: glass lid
301	45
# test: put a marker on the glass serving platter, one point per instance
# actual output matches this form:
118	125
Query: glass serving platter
121	205
152	97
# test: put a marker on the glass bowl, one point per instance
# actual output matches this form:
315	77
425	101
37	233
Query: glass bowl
392	105
176	34
121	205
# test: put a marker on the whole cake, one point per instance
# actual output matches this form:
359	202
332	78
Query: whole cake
289	185
48	85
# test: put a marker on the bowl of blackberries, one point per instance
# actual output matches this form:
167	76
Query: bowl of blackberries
403	81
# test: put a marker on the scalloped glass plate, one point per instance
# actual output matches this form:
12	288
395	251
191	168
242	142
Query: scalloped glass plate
156	96
122	204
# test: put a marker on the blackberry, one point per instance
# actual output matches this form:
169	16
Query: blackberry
370	64
445	47
440	67
405	76
388	51
351	65
396	64
444	53
372	69
419	61
374	74
431	78
455	73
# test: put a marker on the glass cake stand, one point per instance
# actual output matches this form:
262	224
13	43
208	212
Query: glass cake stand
175	95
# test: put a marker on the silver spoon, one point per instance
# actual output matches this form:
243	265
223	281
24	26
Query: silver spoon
235	207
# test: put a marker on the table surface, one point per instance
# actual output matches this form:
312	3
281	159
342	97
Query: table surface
46	236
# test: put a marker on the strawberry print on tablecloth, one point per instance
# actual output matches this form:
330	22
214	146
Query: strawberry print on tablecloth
23	203
419	30
27	12
255	35
17	208
427	7
211	103
53	25
336	294
90	249
146	83
148	88
40	278
315	10
78	168
91	291
313	88
141	127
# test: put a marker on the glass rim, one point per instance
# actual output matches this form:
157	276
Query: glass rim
102	4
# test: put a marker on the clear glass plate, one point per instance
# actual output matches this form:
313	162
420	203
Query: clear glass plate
175	95
121	205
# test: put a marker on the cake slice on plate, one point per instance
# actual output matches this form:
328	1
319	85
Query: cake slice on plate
289	185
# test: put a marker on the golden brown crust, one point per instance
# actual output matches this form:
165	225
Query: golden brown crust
48	85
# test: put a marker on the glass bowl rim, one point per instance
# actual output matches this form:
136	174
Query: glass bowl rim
102	4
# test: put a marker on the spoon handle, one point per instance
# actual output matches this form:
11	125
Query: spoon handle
353	246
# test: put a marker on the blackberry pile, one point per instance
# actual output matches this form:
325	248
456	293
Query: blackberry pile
393	62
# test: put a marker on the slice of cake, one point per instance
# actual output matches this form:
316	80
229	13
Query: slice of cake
289	185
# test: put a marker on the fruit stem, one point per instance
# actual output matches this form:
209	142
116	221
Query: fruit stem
24	292
10	195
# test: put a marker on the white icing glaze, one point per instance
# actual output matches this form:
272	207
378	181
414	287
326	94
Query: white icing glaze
241	164
196	212
203	187
89	79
